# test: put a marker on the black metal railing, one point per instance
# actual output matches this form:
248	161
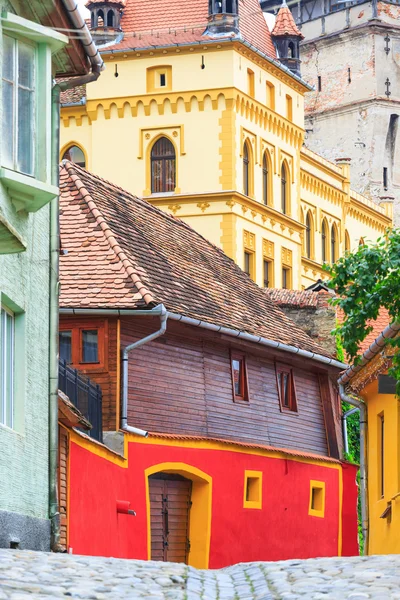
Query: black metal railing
84	394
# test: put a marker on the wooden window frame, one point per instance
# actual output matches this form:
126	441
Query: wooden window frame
251	255
250	83
288	270
279	371
270	272
76	329
244	397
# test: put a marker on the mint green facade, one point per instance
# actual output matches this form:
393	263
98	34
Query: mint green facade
24	290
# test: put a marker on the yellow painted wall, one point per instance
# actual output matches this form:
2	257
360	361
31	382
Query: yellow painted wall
384	535
208	114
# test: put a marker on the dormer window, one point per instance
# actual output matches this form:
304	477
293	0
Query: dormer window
223	16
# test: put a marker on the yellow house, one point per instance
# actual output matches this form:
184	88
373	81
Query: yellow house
370	383
196	113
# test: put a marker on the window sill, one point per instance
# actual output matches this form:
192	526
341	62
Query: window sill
27	193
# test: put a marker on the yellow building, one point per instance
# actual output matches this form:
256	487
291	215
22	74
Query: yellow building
196	113
371	383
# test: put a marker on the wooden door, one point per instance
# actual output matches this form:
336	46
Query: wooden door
170	501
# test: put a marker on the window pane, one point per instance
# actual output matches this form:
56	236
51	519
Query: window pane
90	352
8	69
266	273
26	65
7	367
237	376
65	342
7	129
75	155
247	263
286	390
26	107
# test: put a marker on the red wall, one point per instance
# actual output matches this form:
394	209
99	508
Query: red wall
282	529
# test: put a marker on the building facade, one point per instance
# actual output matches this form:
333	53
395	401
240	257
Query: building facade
208	125
226	402
371	383
32	52
350	57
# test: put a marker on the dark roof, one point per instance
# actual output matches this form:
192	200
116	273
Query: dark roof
122	252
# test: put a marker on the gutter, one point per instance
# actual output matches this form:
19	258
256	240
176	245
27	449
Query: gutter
211	327
375	348
358	404
85	37
162	312
97	66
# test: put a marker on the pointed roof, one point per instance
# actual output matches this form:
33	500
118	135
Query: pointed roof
284	23
122	252
149	23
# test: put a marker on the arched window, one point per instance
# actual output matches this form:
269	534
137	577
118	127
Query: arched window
267	195
308	235
110	18
347	247
75	155
291	50
163	166
92	20
246	169
284	189
324	236
333	243
100	19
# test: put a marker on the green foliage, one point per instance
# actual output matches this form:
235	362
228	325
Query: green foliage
366	280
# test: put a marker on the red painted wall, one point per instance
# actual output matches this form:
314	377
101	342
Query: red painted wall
350	499
282	529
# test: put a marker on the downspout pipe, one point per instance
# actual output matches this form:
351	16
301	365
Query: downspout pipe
97	66
360	405
54	514
162	312
344	422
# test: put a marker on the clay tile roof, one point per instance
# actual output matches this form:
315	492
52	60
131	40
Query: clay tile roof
147	23
382	321
284	24
73	96
298	298
122	252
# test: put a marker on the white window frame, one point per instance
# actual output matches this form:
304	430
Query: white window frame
7	346
15	103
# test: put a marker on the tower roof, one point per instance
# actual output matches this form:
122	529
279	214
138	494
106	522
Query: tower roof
169	22
284	24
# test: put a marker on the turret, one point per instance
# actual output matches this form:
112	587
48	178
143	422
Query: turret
223	16
105	19
287	37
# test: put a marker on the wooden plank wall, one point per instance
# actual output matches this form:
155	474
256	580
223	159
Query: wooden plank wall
181	383
63	444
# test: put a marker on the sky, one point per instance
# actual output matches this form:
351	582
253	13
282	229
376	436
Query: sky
84	11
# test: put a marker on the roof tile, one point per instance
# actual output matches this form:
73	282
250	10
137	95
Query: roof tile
160	259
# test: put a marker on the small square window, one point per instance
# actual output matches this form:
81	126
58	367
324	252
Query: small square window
239	377
286	388
163	81
317	499
252	496
90	346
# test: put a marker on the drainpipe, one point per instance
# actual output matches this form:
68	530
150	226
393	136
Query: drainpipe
360	405
97	66
162	312
344	421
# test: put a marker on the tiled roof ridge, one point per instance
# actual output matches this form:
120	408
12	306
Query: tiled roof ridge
115	247
285	24
298	298
151	207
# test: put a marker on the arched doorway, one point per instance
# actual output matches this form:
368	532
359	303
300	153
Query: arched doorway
170	504
186	492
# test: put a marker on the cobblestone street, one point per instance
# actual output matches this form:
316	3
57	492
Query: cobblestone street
26	574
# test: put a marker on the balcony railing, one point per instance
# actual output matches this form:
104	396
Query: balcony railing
84	394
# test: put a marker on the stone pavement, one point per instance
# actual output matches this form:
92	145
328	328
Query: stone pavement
39	575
